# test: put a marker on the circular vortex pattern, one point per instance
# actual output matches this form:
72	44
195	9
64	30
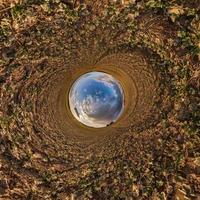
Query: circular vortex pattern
96	99
150	48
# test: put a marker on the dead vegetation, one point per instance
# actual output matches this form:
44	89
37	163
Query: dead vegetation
38	38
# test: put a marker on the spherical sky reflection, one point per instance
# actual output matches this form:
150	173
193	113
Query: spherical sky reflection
96	99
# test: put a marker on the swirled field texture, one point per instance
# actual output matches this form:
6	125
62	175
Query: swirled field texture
151	47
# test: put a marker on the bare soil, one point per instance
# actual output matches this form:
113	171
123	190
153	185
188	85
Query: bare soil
152	47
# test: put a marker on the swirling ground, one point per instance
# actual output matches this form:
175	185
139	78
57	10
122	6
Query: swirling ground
152	152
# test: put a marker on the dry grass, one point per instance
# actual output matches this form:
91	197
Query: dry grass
153	154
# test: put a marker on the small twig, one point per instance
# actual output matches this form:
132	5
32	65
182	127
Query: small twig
5	9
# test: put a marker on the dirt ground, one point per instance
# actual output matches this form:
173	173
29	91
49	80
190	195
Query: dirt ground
152	47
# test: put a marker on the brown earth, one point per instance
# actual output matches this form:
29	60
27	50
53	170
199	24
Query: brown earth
151	152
